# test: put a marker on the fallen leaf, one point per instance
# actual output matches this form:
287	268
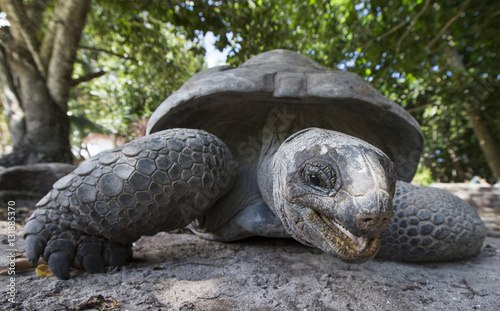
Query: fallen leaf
43	271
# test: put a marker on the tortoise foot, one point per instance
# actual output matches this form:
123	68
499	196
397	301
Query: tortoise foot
430	224
70	248
156	183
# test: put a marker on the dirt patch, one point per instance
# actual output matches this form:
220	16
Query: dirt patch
184	272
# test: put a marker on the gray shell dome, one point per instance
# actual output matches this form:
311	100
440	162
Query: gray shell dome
234	104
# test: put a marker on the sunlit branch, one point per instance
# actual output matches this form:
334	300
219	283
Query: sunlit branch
412	22
88	77
487	20
91	48
420	107
393	29
447	25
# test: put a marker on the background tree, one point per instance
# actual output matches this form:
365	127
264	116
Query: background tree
50	56
438	59
36	63
441	56
141	63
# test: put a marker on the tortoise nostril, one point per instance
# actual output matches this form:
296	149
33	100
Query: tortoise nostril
372	221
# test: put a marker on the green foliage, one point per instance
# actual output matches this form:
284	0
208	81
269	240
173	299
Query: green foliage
142	52
443	75
439	60
423	175
142	60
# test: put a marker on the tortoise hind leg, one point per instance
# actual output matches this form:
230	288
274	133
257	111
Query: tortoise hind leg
430	224
156	183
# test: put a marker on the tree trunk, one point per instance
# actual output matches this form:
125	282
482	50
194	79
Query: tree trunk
36	77
46	137
488	144
458	171
11	102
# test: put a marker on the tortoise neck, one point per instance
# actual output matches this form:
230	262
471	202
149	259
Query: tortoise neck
280	123
265	176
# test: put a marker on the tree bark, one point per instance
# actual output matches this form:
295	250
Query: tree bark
64	47
11	102
458	171
39	72
46	136
488	143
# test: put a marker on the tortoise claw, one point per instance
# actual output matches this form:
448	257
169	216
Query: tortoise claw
34	248
59	263
89	255
93	263
117	254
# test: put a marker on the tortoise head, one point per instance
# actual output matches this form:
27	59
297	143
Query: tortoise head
334	192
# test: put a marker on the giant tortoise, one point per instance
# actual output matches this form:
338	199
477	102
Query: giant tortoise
278	147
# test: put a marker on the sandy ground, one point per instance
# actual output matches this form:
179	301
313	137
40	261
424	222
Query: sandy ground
179	271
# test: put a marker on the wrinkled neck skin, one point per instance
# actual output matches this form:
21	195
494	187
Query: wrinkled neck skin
331	191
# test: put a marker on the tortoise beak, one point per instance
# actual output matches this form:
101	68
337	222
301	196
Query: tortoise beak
364	216
353	227
332	237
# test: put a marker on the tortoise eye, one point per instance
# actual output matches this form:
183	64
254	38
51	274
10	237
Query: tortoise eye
321	176
315	180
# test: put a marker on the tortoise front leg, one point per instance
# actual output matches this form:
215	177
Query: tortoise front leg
431	224
156	183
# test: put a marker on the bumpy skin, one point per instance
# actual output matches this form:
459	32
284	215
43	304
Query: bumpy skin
161	182
346	207
430	224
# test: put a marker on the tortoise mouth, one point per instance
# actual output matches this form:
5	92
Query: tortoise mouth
337	240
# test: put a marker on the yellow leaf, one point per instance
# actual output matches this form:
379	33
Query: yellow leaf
43	271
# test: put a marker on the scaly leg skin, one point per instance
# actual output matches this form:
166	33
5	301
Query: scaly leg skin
430	224
156	183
